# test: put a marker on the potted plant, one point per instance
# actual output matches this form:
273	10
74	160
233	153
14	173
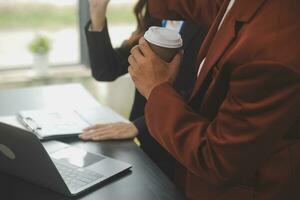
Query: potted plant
40	47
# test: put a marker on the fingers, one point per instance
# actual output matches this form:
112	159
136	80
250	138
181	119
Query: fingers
130	70
145	48
133	72
101	132
132	60
136	53
174	66
94	131
90	128
110	132
103	137
98	135
96	126
177	59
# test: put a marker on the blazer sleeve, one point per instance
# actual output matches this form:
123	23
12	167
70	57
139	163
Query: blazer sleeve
202	12
107	63
261	106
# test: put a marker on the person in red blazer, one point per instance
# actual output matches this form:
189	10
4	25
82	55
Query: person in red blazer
237	138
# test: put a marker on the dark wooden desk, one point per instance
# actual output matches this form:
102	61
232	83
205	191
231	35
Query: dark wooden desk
145	182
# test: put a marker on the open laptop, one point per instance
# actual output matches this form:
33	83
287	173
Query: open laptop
57	166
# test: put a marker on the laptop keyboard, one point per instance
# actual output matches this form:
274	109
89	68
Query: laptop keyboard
76	177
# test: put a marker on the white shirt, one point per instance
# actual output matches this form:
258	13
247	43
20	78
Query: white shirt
174	25
231	3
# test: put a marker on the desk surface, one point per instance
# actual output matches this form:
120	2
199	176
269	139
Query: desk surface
145	182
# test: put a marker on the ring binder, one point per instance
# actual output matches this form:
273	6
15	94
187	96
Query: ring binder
31	124
51	124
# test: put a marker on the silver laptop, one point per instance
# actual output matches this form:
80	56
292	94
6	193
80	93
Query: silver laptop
57	166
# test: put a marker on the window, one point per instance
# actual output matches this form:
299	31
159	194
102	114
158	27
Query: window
21	21
121	20
62	23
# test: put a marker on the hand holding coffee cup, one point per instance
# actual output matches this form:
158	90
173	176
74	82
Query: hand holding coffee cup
155	60
166	43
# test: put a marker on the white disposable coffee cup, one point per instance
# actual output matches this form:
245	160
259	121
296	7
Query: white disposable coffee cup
164	42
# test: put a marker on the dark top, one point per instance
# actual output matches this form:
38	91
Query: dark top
108	63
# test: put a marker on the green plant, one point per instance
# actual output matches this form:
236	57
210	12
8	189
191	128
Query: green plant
40	45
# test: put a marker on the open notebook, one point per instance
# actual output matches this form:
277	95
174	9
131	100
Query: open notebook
48	123
53	124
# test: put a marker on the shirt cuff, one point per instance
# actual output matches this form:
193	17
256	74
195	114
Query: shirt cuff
90	28
140	124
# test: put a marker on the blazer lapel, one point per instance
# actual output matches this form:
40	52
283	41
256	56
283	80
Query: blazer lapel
241	12
245	9
206	48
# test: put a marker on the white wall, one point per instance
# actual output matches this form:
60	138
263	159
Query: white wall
118	94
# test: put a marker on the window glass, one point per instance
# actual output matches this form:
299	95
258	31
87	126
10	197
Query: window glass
121	20
22	21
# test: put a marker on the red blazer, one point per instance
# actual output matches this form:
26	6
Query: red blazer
238	136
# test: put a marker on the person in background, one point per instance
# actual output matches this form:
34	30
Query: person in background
108	63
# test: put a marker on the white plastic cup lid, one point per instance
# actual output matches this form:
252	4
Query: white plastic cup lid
163	37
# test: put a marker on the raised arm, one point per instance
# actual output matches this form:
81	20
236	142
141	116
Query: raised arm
107	63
